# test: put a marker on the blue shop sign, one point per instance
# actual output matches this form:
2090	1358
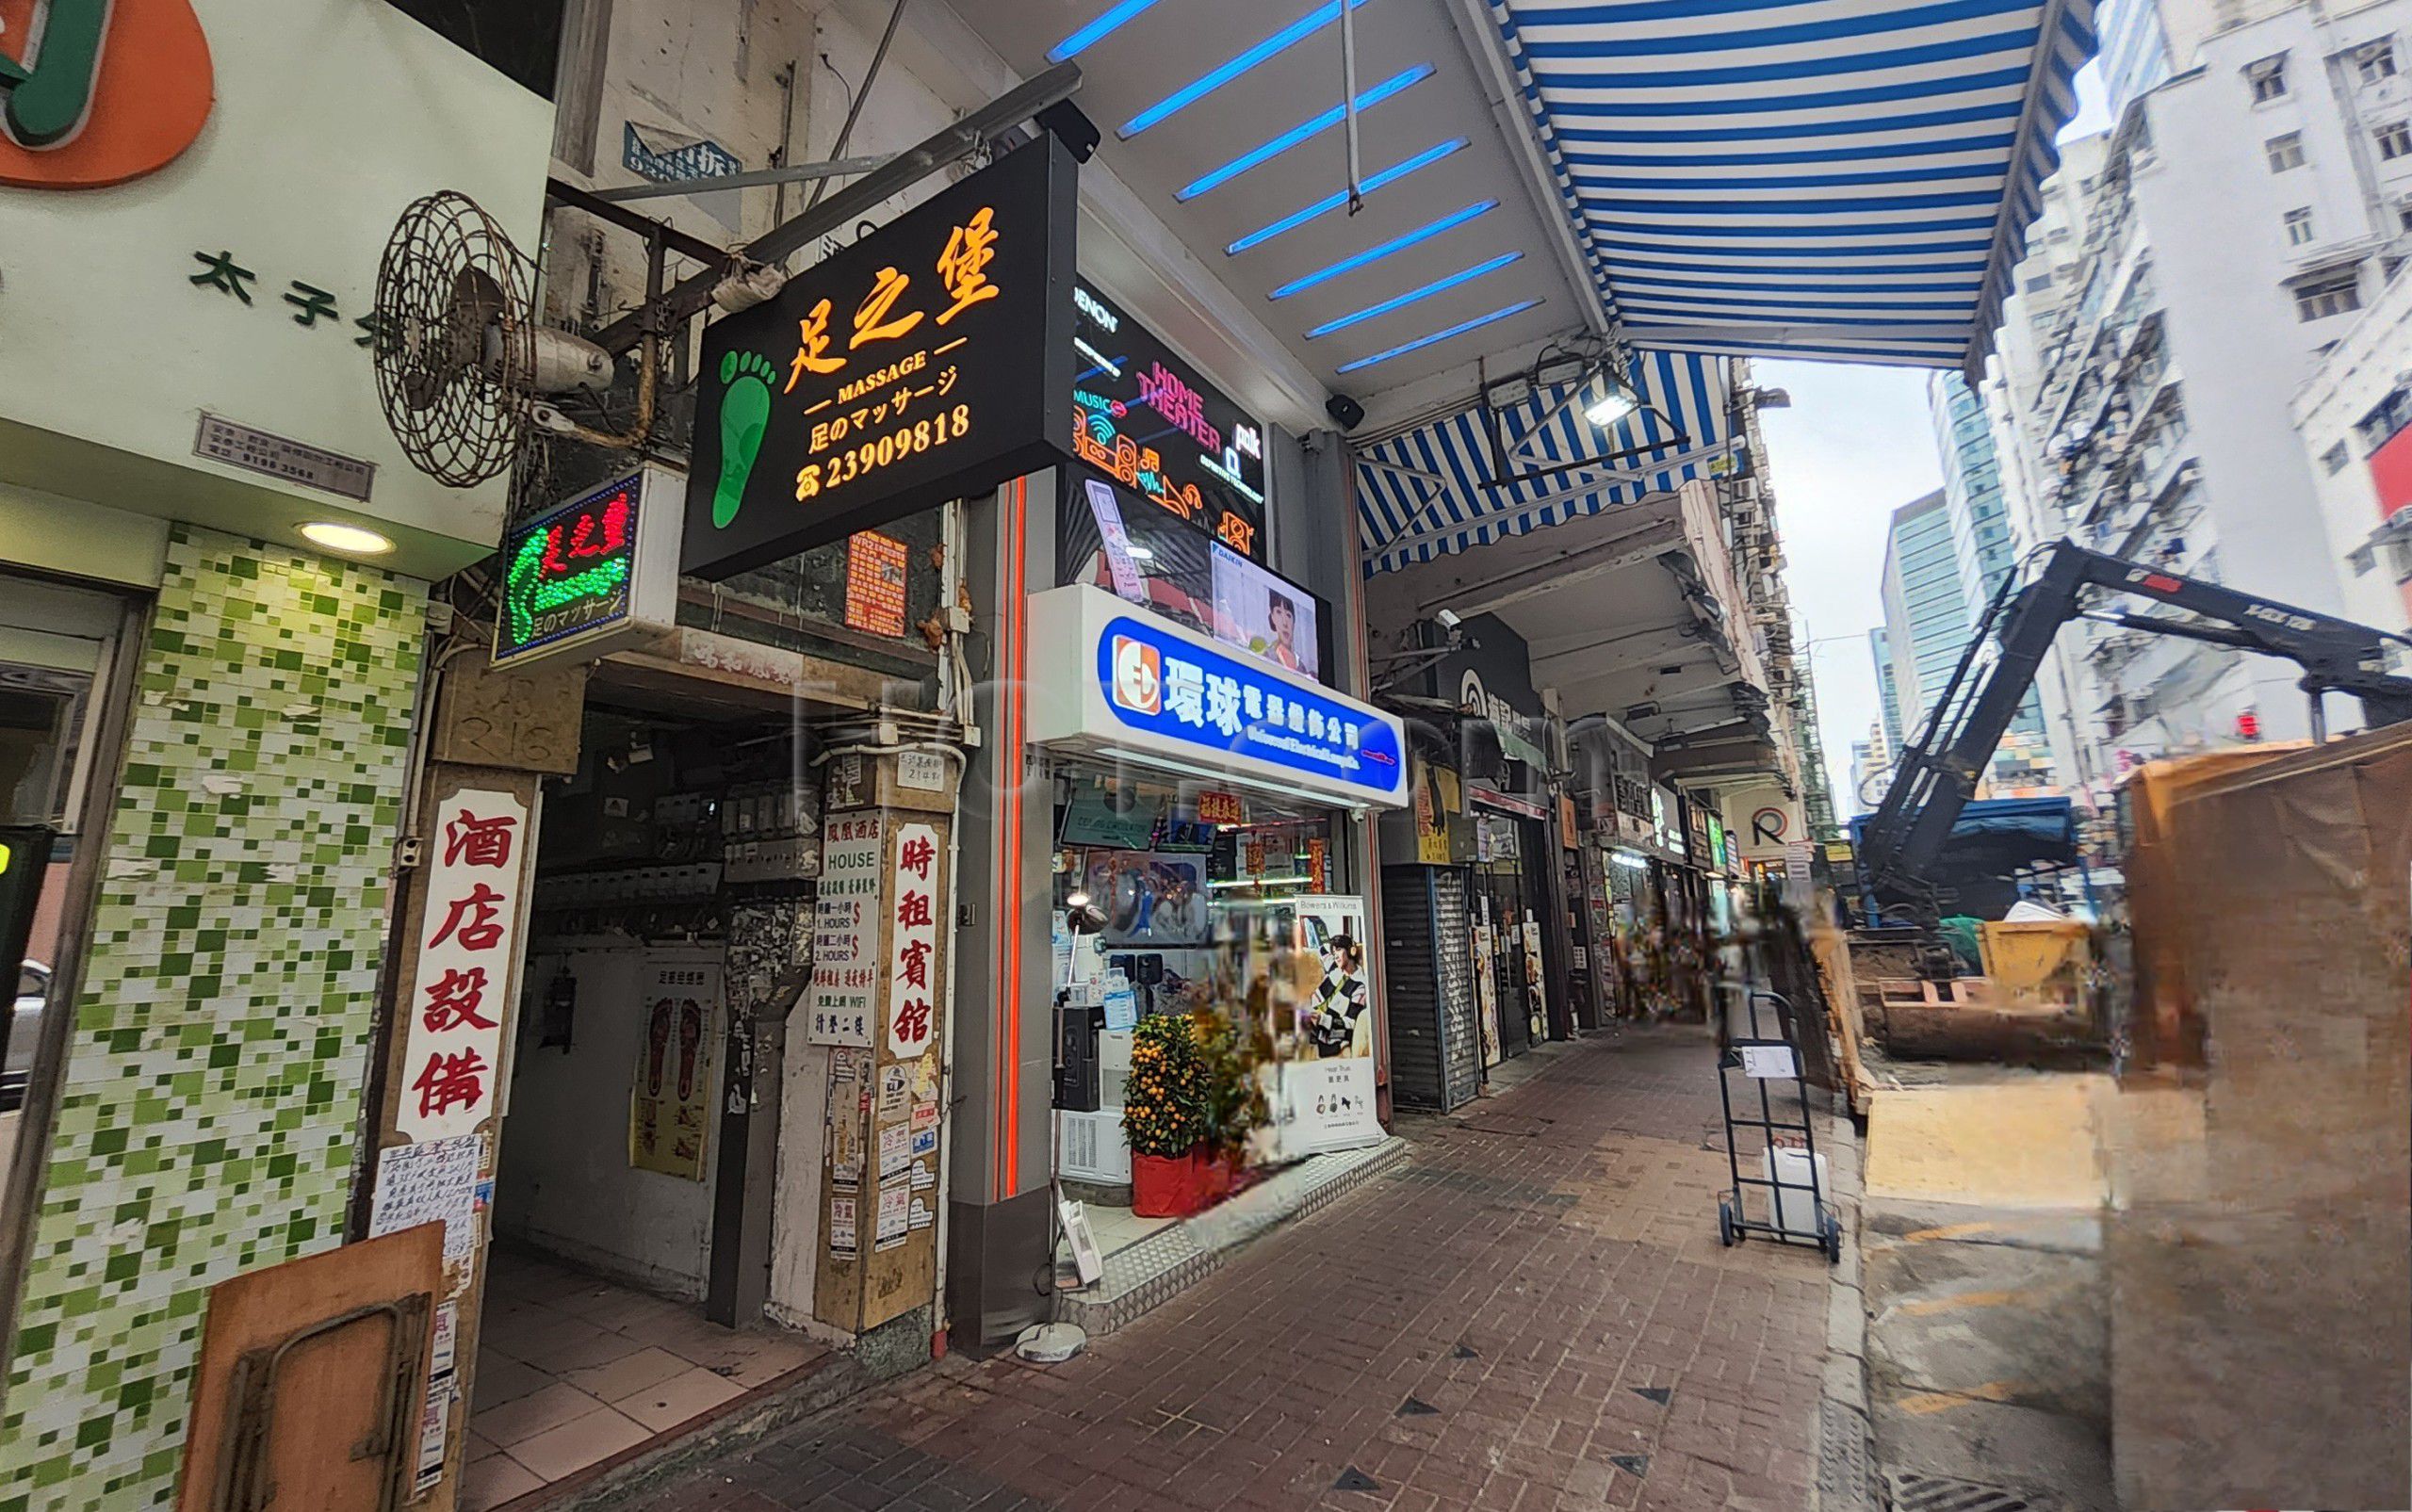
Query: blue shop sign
1167	687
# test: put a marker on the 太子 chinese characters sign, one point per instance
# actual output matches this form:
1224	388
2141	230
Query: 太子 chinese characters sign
930	360
468	949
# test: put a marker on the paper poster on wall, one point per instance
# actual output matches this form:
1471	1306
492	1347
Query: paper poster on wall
895	1150
1486	989
670	1103
1327	1088
843	1121
845	932
843	1242
895	1215
442	1384
433	1182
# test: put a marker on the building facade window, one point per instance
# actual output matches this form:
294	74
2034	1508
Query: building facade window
2334	459
2285	151
2268	78
2376	62
2325	297
2298	226
2394	140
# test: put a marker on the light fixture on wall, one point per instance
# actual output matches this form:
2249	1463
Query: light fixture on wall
1611	399
351	540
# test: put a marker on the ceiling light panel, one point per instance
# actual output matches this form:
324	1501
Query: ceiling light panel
1207	83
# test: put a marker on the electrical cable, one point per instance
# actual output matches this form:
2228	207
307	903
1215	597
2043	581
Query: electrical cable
846	131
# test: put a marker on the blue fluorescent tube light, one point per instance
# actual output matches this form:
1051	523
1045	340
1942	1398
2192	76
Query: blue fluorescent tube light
1357	260
1206	84
1334	202
1096	31
1413	294
1305	129
1421	342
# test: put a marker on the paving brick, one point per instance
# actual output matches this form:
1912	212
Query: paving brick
1575	1258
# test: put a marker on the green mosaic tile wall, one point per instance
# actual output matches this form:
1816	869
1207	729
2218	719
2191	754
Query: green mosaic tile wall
215	1074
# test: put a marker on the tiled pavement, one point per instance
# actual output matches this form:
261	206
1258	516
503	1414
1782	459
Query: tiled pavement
1533	1313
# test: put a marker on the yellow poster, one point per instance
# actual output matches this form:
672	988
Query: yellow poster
670	1104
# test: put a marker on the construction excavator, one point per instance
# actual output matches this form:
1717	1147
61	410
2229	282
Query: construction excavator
1938	773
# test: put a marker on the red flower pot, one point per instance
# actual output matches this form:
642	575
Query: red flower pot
1164	1186
1214	1171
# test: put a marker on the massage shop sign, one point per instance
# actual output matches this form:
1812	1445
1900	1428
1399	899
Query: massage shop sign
931	360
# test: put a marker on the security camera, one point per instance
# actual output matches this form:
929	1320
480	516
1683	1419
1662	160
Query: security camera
1449	619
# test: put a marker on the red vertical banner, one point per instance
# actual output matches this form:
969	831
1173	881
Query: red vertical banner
468	950
913	992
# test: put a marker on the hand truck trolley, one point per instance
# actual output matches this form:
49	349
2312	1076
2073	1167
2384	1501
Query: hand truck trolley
1762	1058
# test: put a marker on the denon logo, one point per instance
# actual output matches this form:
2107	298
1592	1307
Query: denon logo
1090	305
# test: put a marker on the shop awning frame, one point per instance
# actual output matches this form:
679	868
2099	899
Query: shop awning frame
1847	179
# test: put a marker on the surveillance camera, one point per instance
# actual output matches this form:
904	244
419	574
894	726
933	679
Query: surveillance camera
1449	619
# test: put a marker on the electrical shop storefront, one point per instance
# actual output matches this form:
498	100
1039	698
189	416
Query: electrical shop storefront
1200	863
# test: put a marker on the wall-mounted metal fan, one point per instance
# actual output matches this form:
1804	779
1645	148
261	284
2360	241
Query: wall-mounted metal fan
461	359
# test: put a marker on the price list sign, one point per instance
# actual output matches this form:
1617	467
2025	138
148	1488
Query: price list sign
846	932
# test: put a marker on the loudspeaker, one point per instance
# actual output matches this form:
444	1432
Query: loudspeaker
1345	412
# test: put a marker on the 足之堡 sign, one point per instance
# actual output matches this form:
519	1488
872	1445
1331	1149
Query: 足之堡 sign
930	360
1148	687
1150	421
599	572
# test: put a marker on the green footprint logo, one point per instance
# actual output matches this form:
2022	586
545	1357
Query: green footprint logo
744	409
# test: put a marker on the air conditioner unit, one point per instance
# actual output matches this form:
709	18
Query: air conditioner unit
1089	1146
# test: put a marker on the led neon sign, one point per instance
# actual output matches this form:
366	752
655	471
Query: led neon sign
599	566
1146	419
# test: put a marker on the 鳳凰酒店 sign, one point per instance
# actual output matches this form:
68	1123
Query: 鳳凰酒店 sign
929	361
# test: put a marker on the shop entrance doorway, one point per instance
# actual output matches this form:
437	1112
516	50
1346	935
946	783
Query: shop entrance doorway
617	1183
1510	901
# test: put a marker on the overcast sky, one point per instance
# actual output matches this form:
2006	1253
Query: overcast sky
1856	445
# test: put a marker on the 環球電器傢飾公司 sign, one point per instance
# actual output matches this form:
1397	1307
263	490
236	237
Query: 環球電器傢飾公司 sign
928	361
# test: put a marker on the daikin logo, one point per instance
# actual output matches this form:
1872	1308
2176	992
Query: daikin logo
1138	677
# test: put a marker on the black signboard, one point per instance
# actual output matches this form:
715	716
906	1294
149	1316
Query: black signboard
929	361
1148	420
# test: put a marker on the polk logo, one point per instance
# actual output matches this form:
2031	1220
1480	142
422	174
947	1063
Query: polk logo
94	92
1138	677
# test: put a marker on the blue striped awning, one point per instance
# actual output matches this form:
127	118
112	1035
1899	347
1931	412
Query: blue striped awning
1848	179
1430	492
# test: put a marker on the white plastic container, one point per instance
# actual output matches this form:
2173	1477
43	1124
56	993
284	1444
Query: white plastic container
1795	1212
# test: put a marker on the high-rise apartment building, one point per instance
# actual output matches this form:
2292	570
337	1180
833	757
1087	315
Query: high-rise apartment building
1887	687
1974	502
2245	207
1926	609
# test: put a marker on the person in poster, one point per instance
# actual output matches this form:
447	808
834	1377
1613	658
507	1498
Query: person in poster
1282	617
1339	1022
